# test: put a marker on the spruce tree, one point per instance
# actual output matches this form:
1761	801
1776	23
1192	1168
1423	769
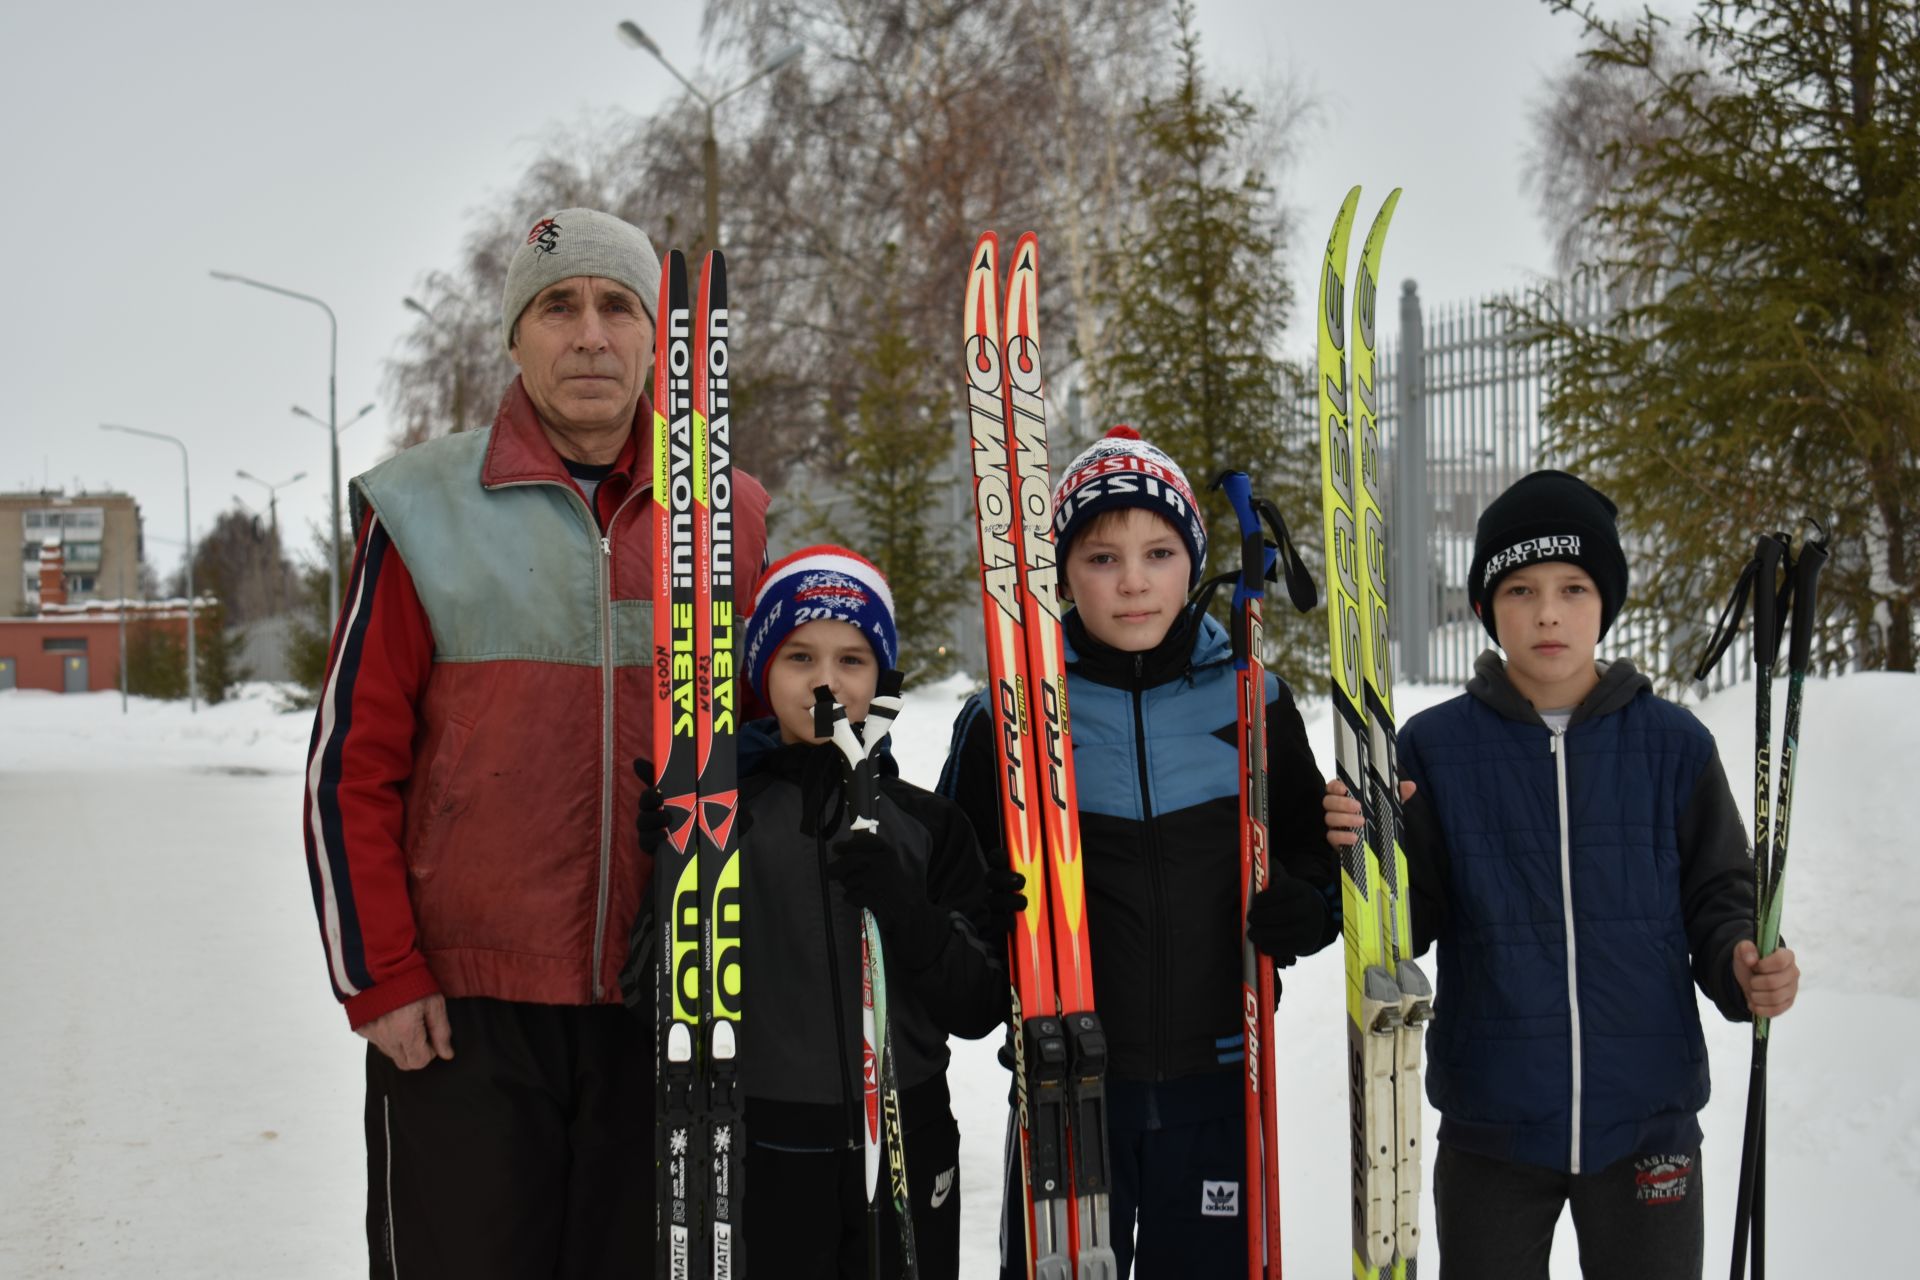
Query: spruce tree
890	450
1198	310
1760	363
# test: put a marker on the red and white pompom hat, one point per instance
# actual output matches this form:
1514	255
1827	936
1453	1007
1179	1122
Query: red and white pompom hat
1122	470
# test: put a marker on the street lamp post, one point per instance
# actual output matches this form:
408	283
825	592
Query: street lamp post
709	147
193	673
333	567
333	360
273	498
459	362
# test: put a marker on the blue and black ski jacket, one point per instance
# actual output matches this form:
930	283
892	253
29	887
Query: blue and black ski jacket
1579	883
1156	759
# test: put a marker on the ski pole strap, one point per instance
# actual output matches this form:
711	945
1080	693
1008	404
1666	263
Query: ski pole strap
1252	513
1300	585
1804	581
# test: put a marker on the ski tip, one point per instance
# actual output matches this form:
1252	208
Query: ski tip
1378	231
713	270
1342	229
1026	250
985	251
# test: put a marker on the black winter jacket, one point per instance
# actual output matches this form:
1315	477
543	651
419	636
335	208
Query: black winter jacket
800	1027
1156	762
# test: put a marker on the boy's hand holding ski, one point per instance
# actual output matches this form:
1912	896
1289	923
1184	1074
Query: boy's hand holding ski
1287	919
1769	982
1344	822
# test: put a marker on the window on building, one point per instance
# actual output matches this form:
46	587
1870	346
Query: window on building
79	583
64	644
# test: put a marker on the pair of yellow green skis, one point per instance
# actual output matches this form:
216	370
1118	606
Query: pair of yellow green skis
1388	998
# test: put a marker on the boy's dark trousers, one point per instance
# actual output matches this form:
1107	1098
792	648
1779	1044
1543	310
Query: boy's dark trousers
527	1153
1640	1218
1179	1159
807	1207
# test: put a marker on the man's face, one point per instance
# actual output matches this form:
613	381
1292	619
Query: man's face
583	346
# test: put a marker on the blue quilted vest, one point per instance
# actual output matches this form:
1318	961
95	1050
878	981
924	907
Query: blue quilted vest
1565	1031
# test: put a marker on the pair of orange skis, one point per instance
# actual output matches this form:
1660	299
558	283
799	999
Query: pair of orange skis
1060	1052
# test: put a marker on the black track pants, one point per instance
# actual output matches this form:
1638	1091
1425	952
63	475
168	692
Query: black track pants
1638	1219
529	1153
1179	1162
807	1209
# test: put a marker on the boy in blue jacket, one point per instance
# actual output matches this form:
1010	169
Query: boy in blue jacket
1573	846
1152	693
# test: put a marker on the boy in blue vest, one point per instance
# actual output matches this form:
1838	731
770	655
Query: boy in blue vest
1153	696
1574	847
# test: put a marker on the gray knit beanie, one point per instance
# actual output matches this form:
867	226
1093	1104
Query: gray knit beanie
579	242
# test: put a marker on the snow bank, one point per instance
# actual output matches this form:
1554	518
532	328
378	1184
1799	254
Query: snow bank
183	1095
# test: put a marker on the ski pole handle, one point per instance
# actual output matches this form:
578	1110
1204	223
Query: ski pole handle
1768	552
1238	487
1806	579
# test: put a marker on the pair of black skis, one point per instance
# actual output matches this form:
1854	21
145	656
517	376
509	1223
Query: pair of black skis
1783	585
700	1142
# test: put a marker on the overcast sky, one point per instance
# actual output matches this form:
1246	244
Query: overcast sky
339	149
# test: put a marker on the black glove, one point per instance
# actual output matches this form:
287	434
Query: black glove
1287	919
874	876
1005	901
651	825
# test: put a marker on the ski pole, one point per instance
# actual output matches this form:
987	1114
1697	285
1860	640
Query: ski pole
879	1070
1763	572
1804	586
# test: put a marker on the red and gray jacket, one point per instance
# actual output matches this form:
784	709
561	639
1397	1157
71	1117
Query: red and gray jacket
469	799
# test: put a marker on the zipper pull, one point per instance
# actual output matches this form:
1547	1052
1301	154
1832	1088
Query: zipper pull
606	545
1553	742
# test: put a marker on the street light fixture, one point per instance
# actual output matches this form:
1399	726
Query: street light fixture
333	361
365	409
273	497
273	521
709	148
193	675
459	361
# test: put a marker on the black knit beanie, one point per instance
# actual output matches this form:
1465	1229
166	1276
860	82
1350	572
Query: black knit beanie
1548	515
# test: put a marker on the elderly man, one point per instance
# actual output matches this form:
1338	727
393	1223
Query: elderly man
469	804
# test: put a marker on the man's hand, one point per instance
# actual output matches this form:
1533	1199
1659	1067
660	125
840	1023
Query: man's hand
1769	982
652	822
1343	812
414	1034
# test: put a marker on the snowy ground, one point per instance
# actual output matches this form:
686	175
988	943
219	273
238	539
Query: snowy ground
182	1095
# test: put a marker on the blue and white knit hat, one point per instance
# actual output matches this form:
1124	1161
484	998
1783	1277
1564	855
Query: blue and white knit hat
814	584
1122	470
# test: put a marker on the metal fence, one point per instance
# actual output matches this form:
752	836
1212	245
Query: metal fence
1461	419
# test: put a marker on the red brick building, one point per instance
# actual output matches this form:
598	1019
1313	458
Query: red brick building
75	648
